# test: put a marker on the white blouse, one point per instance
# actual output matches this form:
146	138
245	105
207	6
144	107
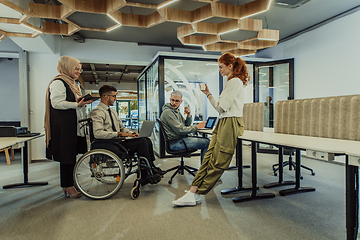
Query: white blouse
57	98
231	99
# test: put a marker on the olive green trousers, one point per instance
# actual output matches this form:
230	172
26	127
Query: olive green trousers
219	154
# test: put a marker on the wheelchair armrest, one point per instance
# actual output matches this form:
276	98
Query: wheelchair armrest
113	142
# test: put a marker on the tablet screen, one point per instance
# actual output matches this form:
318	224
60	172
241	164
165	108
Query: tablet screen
210	122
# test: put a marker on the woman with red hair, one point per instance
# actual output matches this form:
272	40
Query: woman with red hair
230	125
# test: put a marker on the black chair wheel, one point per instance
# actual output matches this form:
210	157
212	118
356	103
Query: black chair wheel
313	174
275	174
301	178
170	182
135	192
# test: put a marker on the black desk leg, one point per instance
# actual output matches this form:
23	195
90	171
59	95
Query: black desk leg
26	170
239	160
254	194
281	182
352	196
297	188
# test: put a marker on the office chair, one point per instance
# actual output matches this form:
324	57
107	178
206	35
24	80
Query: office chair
180	153
291	164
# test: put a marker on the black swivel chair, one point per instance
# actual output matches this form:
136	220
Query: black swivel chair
291	163
181	153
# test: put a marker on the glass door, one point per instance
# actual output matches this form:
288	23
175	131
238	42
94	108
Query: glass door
275	81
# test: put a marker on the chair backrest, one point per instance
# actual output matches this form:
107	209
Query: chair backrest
166	139
88	125
108	144
91	131
162	130
167	143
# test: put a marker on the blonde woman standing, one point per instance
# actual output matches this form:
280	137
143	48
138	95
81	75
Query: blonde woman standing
64	139
224	139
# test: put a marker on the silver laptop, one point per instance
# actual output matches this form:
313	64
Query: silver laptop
146	129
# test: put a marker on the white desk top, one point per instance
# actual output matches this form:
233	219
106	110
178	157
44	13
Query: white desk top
11	141
305	142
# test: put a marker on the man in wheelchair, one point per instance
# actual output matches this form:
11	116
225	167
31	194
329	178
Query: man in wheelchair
107	125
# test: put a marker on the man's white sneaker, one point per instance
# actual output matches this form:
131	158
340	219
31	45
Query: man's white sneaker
197	199
187	200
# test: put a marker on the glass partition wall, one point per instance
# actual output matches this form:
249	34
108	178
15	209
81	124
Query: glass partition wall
269	82
185	74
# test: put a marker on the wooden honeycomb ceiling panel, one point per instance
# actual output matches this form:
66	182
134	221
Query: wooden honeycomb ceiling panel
196	31
44	11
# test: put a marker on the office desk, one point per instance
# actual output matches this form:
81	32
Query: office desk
11	141
342	147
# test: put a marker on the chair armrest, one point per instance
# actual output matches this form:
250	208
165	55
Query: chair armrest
114	142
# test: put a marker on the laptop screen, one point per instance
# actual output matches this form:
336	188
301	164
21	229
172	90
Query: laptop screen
210	122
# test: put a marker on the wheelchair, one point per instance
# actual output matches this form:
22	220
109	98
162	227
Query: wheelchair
100	172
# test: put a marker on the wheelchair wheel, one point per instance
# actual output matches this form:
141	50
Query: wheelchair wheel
99	174
135	192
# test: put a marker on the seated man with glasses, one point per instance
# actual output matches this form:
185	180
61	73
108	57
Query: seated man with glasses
177	127
107	125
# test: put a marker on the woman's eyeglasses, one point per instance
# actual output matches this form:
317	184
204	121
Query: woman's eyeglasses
79	70
175	100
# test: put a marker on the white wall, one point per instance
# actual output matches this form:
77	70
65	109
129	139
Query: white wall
7	45
326	59
42	70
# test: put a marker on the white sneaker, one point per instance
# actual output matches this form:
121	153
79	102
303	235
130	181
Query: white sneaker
187	200
197	199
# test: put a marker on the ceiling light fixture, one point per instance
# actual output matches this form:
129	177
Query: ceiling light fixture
267	39
233	30
114	19
163	5
269	5
113	27
254	14
29	26
197	45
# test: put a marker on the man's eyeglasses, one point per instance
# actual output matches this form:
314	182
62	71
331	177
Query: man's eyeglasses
175	100
79	70
112	96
